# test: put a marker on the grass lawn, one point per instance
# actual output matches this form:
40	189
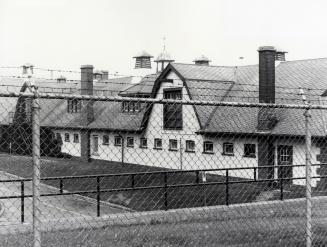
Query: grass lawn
141	200
285	231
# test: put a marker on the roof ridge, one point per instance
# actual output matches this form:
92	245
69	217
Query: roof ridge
219	66
302	60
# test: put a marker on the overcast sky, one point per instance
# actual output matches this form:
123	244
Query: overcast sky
65	34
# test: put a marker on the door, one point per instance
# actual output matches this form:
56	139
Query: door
95	145
285	160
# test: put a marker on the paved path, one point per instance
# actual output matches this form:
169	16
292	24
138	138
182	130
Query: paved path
52	207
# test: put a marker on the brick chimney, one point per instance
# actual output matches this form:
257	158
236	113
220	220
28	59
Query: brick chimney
87	114
266	116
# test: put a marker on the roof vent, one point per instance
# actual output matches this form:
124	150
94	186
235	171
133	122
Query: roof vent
61	79
202	60
28	69
143	60
280	55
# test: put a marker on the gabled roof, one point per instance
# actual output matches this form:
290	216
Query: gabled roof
144	87
240	84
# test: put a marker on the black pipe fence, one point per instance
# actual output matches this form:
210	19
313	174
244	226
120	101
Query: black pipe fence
166	186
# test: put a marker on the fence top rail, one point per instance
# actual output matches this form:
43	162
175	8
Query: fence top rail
156	173
161	101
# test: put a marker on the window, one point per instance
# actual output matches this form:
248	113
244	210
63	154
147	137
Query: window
131	106
105	140
157	143
143	143
249	150
76	138
67	137
173	145
228	148
118	141
130	142
172	113
190	146
74	106
11	117
95	145
208	147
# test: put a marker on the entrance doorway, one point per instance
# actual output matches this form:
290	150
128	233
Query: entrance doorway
284	161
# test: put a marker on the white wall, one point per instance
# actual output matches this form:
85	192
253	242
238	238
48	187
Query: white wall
70	147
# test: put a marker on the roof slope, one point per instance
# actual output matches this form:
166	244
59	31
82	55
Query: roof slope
240	84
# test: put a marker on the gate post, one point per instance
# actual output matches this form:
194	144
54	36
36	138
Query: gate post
36	169
308	201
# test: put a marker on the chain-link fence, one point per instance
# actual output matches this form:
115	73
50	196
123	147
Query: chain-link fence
98	170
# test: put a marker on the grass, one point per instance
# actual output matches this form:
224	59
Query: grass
141	200
285	231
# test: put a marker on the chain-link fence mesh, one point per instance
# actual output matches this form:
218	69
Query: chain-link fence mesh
169	171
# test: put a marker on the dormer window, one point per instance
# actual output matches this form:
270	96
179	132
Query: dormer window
131	106
172	112
74	106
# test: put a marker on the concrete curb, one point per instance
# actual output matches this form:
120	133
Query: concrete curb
294	208
80	197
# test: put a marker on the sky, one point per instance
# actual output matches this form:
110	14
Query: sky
64	34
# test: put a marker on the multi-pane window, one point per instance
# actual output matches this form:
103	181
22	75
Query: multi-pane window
131	106
118	140
208	147
130	142
190	146
67	139
76	138
228	148
157	143
143	143
105	140
173	145
74	106
172	112
249	150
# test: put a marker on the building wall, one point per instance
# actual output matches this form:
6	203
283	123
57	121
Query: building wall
180	159
71	147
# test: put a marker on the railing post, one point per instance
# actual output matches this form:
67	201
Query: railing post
98	196
22	204
36	170
166	192
227	188
281	188
133	181
61	186
307	116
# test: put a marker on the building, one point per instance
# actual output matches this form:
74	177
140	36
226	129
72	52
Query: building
201	137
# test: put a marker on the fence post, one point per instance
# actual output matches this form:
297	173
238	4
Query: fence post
36	170
98	196
166	188
22	204
307	116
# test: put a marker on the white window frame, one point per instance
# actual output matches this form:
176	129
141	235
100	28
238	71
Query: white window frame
142	144
171	142
187	148
65	137
225	145
205	147
156	142
75	138
106	143
116	139
127	142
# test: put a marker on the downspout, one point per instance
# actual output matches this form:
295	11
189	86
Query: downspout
181	153
122	149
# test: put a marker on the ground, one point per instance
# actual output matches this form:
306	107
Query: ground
256	224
